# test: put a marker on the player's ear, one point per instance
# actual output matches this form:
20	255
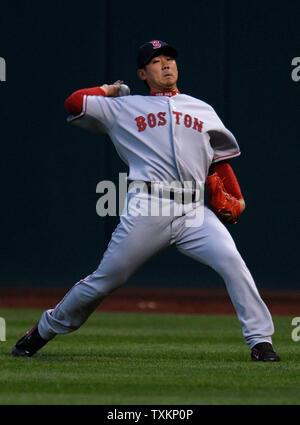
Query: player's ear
141	74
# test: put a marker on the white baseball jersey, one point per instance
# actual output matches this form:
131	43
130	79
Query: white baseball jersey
160	138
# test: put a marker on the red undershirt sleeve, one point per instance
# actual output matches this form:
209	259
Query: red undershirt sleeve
225	172
73	104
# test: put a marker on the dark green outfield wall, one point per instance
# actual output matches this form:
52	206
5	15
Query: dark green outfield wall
235	55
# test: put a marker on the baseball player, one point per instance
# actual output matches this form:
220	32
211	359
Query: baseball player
164	137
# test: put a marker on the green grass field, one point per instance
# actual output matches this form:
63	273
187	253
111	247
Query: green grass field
158	359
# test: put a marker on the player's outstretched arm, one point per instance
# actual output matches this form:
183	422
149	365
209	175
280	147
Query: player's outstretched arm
74	103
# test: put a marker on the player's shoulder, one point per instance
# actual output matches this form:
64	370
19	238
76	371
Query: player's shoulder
119	104
129	99
191	99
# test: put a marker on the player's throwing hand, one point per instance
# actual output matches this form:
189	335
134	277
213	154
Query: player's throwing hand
112	90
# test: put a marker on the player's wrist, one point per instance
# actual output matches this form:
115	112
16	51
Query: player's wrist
104	88
112	90
101	91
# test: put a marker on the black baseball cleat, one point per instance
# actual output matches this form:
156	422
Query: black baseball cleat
264	352
29	344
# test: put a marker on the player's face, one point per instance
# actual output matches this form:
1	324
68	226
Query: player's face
161	73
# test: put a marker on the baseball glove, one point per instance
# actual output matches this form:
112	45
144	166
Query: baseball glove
225	206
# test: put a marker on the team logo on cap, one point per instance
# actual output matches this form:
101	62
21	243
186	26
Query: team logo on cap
156	44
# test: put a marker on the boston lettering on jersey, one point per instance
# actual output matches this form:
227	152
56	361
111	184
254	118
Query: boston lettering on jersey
153	120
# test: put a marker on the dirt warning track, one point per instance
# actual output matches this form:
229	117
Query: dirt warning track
166	300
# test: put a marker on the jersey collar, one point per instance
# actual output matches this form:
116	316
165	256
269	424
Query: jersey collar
165	93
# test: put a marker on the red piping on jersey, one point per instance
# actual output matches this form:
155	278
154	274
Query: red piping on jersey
226	156
165	93
74	103
225	172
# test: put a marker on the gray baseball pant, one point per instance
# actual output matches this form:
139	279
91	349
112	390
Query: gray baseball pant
136	240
